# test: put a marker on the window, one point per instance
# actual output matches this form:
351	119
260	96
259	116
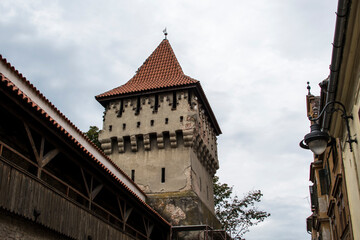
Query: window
133	175
166	120
181	118
121	108
156	104
174	101
324	181
138	124
151	122
124	126
162	175
110	128
137	111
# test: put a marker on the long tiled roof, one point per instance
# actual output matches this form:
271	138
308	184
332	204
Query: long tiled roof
160	70
6	83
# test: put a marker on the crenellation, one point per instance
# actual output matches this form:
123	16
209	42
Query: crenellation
173	140
147	142
160	141
133	142
121	145
106	146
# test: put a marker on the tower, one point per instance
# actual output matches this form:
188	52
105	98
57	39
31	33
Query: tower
160	129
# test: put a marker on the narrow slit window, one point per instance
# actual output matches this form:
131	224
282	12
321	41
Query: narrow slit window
181	118
138	124
137	111
162	175
166	120
110	128
121	108
174	101
133	175
124	126
156	104
189	98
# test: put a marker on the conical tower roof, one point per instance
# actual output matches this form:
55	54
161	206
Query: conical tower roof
160	70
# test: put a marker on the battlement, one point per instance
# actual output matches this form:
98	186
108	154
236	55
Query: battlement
160	121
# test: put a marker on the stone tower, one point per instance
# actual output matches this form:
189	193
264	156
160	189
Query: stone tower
160	129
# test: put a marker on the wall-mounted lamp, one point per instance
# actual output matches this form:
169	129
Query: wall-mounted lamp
317	140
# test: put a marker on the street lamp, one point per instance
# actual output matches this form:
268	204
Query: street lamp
317	140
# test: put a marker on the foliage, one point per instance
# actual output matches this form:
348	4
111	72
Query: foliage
237	215
93	135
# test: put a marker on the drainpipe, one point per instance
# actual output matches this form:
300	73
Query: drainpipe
337	52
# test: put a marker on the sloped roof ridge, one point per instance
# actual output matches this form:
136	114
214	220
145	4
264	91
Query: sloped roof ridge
160	70
166	43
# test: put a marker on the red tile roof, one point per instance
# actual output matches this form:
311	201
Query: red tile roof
160	70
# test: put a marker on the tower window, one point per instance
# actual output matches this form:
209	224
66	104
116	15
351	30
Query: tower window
174	101
121	108
156	104
152	122
137	111
181	118
166	120
133	175
162	175
189	98
138	124
110	128
124	126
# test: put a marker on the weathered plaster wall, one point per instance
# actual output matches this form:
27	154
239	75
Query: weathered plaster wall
183	208
143	138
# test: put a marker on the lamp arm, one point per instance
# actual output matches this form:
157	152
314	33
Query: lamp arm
344	116
326	106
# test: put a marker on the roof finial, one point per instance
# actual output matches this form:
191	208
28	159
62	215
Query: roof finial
165	33
308	88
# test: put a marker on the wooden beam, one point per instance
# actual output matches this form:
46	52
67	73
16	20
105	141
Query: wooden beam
86	185
96	191
49	156
42	146
148	227
37	157
125	213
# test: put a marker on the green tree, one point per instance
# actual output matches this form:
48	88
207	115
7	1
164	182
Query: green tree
93	135
237	215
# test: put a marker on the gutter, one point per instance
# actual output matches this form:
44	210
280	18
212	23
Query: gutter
336	59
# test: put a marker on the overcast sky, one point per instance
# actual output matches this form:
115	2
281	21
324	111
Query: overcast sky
253	59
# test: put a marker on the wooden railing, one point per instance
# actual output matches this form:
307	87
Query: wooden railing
23	164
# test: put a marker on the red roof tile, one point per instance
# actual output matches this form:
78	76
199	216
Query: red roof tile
160	70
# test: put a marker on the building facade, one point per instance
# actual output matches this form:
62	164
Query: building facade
160	129
335	194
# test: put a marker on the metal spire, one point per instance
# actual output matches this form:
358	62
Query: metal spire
165	33
308	88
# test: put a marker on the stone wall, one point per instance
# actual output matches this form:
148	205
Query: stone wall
13	227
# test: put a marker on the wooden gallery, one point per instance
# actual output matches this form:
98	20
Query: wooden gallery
54	182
